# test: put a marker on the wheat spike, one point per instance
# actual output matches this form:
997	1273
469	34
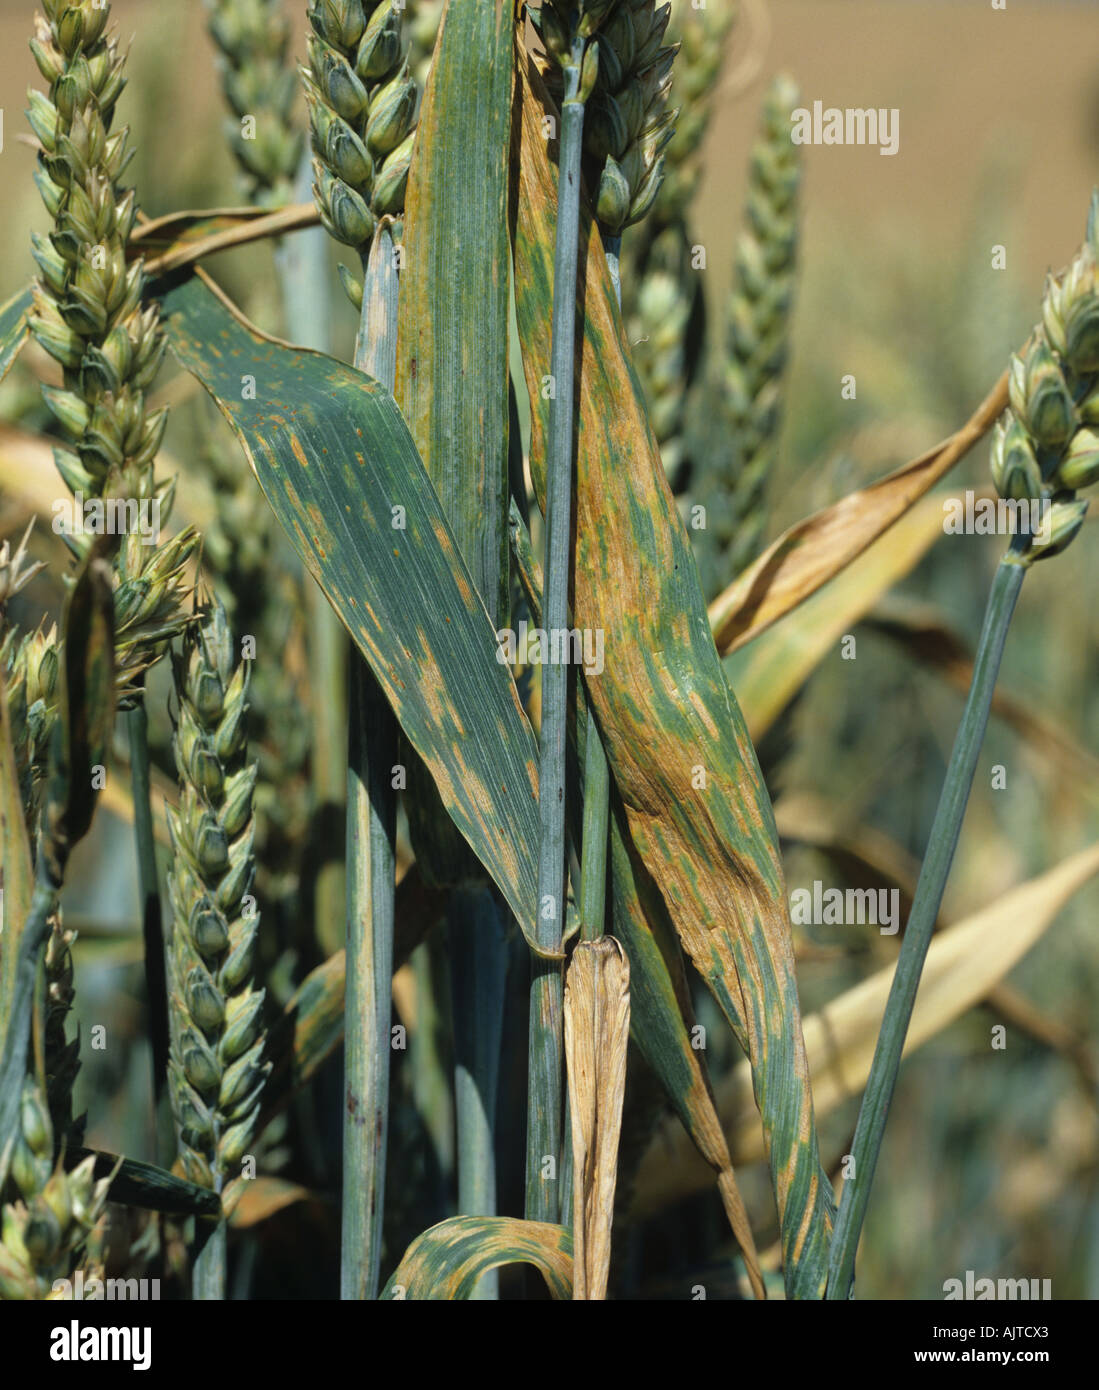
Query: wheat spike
44	1235
260	85
362	103
216	1072
740	460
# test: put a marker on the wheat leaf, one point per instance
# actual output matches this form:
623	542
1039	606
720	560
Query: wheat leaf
446	1262
666	712
334	458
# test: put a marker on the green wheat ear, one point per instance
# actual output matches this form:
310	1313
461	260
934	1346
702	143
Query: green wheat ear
362	103
216	1071
741	458
48	1233
260	84
89	315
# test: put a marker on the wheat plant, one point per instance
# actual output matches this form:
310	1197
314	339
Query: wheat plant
477	908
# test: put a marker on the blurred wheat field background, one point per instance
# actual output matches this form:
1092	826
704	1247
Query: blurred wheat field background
991	1159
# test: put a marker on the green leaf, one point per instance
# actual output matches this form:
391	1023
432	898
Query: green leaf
698	811
446	1262
452	345
334	458
13	329
143	1185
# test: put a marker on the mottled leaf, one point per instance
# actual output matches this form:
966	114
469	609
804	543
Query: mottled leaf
661	1013
335	458
697	808
446	1262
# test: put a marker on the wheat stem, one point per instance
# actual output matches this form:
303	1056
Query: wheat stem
544	1095
371	867
943	841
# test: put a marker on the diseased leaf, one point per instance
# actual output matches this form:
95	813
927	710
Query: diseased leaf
452	352
697	809
13	329
446	1262
661	1013
964	964
334	458
813	551
597	1030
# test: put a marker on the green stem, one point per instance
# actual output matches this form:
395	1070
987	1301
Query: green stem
152	926
208	1271
921	923
544	1089
477	947
371	864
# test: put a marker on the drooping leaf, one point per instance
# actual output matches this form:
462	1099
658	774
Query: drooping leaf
185	238
597	1030
446	1262
339	468
770	671
661	1013
964	964
813	551
680	755
13	329
143	1185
